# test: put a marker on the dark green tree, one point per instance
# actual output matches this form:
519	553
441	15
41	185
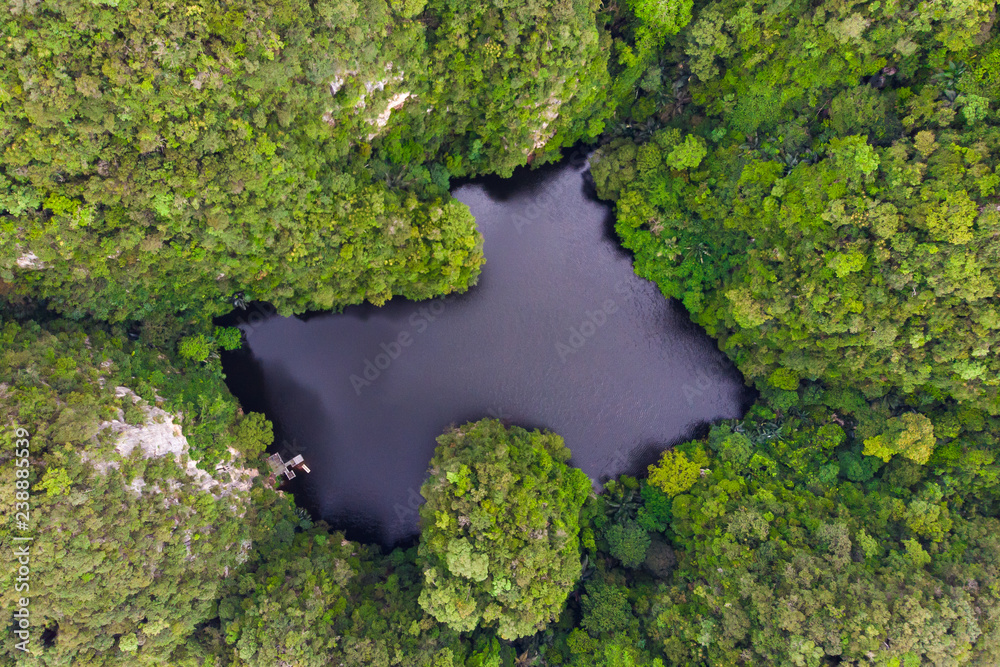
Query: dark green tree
627	542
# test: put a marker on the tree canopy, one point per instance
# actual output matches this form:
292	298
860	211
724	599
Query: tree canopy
817	182
864	266
500	529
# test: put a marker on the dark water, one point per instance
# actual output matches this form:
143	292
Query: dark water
558	334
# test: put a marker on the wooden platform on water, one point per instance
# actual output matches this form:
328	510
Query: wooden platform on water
286	468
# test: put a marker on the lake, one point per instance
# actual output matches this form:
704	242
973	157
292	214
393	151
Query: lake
559	333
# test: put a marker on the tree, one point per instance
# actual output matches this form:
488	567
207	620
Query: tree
773	567
790	55
55	482
499	542
854	156
605	608
228	338
195	348
674	474
628	543
662	17
688	154
281	152
910	434
253	435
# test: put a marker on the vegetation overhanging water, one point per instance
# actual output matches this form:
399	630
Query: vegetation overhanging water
558	333
815	182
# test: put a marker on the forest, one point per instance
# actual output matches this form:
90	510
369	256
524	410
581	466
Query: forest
816	182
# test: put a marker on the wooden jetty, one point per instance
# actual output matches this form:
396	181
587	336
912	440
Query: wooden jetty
286	468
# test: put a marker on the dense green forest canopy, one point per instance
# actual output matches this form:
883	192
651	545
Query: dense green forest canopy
132	542
868	266
158	159
500	526
817	182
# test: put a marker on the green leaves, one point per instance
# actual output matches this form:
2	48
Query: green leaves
253	435
195	348
910	434
768	559
156	158
606	608
463	562
228	338
674	474
628	542
854	155
55	482
855	269
114	537
219	177
688	154
662	17
499	541
462	480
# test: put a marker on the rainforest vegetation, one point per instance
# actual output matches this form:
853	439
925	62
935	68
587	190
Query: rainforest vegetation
816	182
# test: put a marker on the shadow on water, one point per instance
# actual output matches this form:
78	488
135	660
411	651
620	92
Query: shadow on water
559	333
300	424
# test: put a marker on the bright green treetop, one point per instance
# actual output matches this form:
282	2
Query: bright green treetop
674	474
911	434
499	542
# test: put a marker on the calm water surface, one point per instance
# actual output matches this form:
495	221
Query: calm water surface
558	333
